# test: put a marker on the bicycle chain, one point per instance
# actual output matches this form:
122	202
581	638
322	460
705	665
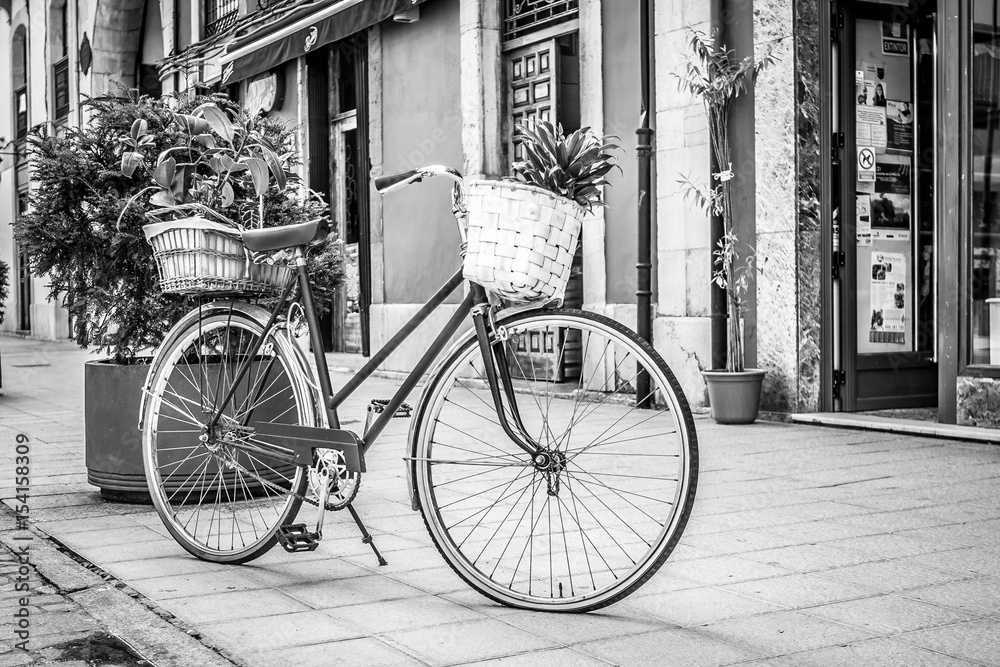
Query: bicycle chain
232	464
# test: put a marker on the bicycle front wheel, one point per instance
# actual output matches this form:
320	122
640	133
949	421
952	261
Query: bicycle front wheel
609	504
217	490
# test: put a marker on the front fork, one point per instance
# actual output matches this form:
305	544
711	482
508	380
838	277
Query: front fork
492	346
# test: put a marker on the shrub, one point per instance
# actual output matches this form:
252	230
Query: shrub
100	267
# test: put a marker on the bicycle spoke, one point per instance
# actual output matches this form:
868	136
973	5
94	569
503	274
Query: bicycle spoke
584	524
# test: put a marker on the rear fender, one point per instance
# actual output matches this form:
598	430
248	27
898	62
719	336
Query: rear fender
256	312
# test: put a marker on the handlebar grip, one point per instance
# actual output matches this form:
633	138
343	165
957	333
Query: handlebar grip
383	182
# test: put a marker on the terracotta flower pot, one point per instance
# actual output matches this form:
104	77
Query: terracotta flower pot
734	397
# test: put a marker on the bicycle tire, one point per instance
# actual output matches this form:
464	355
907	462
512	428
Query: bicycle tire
432	471
195	366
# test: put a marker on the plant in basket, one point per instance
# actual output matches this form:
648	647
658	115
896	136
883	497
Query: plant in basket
214	180
523	234
83	230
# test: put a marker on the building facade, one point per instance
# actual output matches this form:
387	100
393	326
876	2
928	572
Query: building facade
863	164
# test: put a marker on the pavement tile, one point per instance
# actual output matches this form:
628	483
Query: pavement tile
355	590
976	641
432	580
889	575
669	647
784	632
882	652
70	526
116	552
970	562
563	657
265	633
809	557
891	522
797	591
282	574
885	546
151	568
215	607
466	642
698	606
362	652
201	583
125	534
404	614
979	596
718	570
410	559
615	621
820	530
889	614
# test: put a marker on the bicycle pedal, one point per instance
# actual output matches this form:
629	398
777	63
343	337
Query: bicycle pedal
378	406
296	537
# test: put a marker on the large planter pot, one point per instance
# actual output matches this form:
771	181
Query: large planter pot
734	397
112	393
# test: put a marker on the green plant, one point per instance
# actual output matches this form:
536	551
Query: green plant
4	287
79	232
574	166
222	164
713	74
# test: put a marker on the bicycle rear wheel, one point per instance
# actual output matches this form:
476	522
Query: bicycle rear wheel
598	520
222	500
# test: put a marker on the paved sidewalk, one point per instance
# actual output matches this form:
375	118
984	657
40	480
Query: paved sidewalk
807	546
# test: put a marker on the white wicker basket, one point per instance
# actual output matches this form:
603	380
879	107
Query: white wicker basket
197	256
521	240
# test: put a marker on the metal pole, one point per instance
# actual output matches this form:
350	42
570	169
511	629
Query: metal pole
644	150
718	310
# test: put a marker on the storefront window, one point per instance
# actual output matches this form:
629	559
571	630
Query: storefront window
984	285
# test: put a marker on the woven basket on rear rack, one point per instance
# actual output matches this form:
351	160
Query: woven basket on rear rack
521	240
197	256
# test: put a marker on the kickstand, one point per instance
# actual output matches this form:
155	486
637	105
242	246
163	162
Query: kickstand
365	536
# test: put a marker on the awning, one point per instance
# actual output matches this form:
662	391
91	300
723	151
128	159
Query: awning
299	33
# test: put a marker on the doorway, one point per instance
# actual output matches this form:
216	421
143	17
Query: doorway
338	130
885	270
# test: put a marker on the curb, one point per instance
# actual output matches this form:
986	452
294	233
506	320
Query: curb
157	636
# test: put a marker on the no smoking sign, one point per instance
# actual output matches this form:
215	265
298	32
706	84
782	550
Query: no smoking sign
866	164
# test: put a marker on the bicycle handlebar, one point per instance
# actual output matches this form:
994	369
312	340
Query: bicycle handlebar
386	182
393	182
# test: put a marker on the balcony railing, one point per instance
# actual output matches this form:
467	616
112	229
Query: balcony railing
219	15
521	17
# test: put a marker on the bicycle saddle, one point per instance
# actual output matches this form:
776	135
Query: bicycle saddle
288	236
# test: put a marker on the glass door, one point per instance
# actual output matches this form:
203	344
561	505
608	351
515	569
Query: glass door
888	118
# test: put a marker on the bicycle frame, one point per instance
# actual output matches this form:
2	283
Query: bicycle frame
475	302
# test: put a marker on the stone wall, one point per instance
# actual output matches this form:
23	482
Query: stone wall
776	204
681	330
788	225
979	402
809	276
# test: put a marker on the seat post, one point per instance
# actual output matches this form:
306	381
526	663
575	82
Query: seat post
315	338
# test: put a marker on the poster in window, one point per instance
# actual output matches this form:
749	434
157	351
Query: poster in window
888	298
899	117
864	219
891	204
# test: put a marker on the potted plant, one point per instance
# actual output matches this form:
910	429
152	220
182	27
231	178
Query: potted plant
713	74
84	230
561	173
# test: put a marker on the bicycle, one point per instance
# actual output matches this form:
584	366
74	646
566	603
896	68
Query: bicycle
552	453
